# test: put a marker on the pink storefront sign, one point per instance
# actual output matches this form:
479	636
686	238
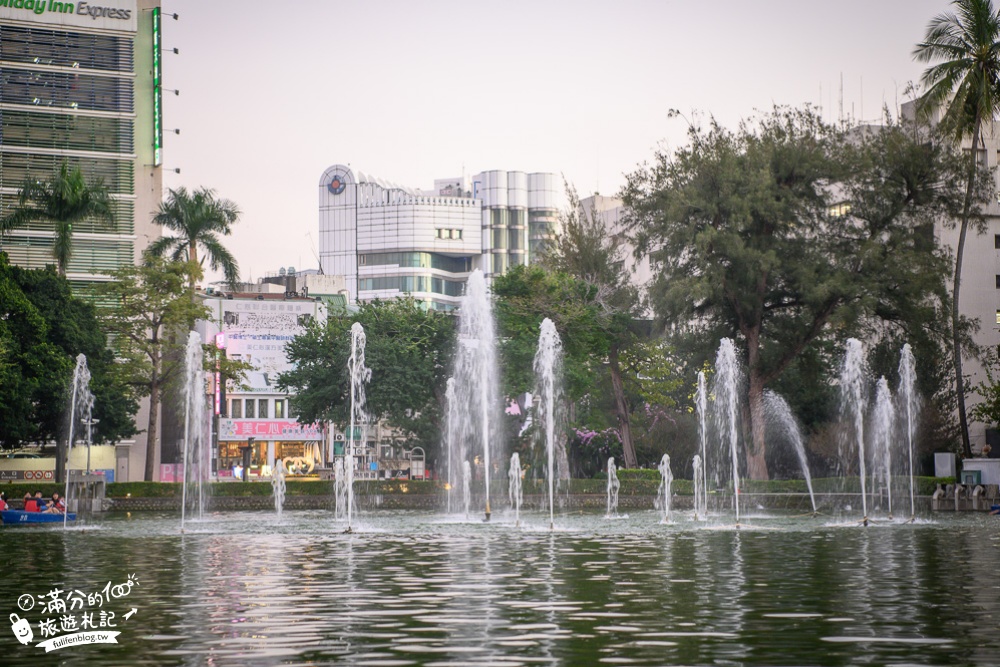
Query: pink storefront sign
268	429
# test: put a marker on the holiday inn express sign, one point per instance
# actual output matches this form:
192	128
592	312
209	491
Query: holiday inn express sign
104	14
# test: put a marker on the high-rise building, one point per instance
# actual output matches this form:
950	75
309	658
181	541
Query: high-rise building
388	240
80	83
520	212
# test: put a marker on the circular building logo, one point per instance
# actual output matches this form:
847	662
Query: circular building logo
337	185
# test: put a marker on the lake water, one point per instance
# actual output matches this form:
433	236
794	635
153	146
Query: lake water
415	588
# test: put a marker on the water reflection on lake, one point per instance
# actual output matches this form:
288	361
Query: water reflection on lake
414	588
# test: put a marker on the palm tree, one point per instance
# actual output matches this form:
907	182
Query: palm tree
967	84
198	219
65	199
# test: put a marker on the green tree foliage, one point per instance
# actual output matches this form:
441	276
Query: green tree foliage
43	327
588	252
197	219
526	295
65	199
149	308
966	84
408	349
988	409
789	231
523	297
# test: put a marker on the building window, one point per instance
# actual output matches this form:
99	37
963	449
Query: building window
998	317
279	408
262	408
249	407
998	281
996	241
237	409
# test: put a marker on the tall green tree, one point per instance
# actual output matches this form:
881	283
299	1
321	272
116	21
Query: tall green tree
65	199
966	84
148	305
43	327
409	350
587	251
197	219
789	231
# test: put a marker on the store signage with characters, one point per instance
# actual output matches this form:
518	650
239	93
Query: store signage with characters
116	16
268	429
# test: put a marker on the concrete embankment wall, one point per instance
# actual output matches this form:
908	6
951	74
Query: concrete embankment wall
827	503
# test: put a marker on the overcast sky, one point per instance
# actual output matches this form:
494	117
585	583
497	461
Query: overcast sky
272	93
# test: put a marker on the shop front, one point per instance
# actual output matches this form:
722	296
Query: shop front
296	445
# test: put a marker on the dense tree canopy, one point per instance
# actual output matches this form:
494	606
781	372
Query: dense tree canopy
408	350
43	327
789	231
594	256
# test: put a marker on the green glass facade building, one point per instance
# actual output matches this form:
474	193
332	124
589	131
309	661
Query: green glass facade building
80	83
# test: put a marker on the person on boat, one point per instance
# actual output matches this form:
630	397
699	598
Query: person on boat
57	506
30	504
3	502
40	501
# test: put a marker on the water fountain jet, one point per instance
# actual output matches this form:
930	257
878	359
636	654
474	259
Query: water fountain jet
666	477
548	365
699	482
701	403
278	486
911	406
194	423
613	486
82	402
778	410
883	420
852	393
359	375
728	381
475	377
514	487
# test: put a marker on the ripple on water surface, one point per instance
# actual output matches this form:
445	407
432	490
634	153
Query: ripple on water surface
413	588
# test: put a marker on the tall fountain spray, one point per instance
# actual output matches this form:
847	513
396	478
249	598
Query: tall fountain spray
466	487
700	509
194	426
883	426
728	380
778	412
278	486
360	375
514	487
663	496
852	397
339	490
475	377
548	367
910	406
82	405
613	486
450	435
701	404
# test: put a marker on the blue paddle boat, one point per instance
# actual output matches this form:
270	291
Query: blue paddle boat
22	518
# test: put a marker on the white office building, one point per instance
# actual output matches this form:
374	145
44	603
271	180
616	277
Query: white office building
388	240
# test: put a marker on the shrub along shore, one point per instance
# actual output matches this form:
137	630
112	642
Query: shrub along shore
638	490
